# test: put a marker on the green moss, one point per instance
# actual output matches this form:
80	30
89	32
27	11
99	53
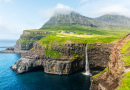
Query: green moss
125	83
126	53
95	76
75	56
31	49
23	41
89	47
52	53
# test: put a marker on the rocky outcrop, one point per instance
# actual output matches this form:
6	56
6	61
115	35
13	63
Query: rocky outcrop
52	65
63	67
27	64
110	79
26	41
72	58
98	56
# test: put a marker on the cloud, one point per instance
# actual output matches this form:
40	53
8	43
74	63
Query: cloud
114	9
82	1
59	9
95	8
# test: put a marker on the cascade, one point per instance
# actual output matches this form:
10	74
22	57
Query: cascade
87	70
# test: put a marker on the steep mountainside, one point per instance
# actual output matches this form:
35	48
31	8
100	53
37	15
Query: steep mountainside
114	21
70	19
75	18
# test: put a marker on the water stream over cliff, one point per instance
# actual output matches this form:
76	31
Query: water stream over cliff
87	70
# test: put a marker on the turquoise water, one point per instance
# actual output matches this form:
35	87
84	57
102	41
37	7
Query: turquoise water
9	80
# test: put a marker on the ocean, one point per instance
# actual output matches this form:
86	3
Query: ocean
37	80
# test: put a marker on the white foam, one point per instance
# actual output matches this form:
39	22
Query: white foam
87	73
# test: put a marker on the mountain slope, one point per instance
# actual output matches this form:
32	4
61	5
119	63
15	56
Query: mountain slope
70	19
74	18
114	20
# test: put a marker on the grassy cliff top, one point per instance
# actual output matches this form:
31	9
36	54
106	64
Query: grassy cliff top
81	34
108	31
61	35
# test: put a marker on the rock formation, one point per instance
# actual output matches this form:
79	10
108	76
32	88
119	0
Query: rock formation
110	79
73	59
26	41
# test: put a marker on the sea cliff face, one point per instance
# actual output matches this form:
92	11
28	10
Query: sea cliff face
71	58
110	78
26	41
53	65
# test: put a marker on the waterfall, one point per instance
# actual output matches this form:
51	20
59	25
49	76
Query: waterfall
87	71
87	64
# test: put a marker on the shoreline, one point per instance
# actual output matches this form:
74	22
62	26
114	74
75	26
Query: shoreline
10	51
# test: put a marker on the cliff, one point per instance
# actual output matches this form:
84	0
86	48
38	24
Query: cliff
65	62
65	59
26	41
116	76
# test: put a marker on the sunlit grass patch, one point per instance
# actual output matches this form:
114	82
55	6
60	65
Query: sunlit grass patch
125	83
126	53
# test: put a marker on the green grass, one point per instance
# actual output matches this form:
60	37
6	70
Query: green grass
90	30
125	83
54	40
52	53
126	53
99	35
95	76
22	41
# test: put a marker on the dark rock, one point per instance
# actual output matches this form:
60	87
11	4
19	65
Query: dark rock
27	64
98	57
110	79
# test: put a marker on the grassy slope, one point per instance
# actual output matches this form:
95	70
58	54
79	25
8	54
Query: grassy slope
125	83
95	31
126	53
101	35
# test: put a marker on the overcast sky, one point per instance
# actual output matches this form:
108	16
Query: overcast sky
19	15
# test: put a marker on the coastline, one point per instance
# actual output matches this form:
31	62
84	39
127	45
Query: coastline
12	51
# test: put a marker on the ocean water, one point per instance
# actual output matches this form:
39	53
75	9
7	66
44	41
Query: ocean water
37	80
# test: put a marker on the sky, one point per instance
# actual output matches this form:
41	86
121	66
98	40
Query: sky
19	15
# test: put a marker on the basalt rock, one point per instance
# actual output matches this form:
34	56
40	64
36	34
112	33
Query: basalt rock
27	64
110	79
26	41
73	58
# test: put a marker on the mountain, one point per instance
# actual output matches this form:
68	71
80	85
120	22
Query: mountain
74	18
114	20
70	19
